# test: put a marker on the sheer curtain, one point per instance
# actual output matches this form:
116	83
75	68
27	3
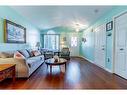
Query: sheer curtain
51	41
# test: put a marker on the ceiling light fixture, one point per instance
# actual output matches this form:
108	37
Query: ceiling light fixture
78	26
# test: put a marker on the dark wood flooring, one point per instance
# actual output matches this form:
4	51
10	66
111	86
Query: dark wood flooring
80	74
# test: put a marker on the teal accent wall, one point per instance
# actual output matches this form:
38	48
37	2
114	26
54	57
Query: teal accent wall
87	49
32	33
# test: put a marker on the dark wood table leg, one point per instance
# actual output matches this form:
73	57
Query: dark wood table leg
13	74
50	69
58	53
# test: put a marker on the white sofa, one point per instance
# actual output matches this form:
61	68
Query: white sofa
24	67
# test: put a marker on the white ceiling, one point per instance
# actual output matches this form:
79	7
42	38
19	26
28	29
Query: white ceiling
53	16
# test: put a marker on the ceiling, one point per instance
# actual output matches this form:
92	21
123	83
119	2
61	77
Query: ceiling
45	17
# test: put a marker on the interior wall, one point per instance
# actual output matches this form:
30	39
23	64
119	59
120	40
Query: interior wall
32	33
87	49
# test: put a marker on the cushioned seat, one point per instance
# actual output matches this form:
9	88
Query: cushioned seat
65	53
33	59
26	64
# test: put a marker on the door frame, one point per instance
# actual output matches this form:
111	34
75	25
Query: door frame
114	41
105	45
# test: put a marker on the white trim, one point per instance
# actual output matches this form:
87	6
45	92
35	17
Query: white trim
74	56
87	59
108	70
104	68
113	44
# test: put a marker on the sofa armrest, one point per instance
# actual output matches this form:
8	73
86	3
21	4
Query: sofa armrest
21	65
12	61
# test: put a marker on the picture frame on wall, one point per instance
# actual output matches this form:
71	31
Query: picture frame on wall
14	33
64	39
84	40
109	26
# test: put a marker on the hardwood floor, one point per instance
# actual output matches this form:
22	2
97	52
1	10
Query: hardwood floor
80	74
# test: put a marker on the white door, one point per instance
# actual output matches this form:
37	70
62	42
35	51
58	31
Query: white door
120	24
100	41
73	40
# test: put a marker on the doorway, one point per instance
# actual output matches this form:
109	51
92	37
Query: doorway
120	45
100	45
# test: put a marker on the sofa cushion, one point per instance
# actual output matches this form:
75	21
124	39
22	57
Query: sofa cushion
33	59
30	52
24	53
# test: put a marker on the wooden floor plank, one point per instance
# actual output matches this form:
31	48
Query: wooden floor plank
80	74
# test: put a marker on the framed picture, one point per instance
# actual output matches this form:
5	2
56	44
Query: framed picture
64	39
109	26
14	33
84	40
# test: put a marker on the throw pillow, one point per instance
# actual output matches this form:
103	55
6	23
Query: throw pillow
18	55
24	53
30	53
36	53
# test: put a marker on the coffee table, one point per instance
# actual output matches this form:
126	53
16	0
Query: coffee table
51	62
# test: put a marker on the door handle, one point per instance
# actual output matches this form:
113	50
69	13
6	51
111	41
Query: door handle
121	49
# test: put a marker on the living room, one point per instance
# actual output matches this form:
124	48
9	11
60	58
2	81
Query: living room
62	47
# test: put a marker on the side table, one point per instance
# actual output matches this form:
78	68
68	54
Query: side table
7	70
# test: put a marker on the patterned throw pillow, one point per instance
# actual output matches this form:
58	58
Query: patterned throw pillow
36	53
18	55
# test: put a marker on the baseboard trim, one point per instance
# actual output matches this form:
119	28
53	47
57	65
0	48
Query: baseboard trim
87	59
106	69
74	56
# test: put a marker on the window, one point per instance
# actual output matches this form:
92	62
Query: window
73	41
51	41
